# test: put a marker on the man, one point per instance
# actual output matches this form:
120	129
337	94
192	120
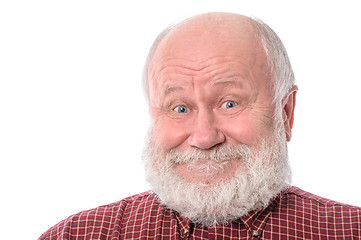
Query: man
222	97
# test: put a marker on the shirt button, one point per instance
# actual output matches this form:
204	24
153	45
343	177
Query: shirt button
185	232
255	233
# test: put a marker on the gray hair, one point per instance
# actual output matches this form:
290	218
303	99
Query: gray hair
149	58
279	64
281	71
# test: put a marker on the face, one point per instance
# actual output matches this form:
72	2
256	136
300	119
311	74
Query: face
209	88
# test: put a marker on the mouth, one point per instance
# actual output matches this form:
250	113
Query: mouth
207	167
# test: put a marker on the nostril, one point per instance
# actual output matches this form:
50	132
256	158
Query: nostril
206	139
205	132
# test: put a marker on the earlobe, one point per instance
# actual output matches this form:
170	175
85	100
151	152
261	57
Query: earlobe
289	103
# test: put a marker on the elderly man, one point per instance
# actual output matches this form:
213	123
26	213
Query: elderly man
222	97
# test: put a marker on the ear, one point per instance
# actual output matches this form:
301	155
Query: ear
289	103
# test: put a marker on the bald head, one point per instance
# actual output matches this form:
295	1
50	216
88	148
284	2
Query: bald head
212	32
201	31
196	46
205	29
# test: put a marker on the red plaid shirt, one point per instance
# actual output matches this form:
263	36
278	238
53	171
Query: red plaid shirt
295	214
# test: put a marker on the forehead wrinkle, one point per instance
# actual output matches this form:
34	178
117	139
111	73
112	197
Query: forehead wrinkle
190	67
181	63
212	68
229	64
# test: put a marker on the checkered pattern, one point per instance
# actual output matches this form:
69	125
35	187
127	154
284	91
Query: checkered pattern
295	214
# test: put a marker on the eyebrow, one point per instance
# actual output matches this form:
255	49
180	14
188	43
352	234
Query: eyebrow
227	81
169	89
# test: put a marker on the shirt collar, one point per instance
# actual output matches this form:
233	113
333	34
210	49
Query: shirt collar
256	220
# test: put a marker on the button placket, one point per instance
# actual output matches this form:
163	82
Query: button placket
185	233
255	233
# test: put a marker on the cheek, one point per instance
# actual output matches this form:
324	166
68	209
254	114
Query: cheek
243	131
170	134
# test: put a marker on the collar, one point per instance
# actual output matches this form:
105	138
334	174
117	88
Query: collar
256	221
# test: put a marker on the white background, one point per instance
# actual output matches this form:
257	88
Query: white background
73	117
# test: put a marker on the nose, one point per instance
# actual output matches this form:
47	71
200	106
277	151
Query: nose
205	132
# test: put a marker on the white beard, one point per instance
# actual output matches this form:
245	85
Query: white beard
265	174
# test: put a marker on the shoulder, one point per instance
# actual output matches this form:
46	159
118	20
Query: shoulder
304	215
101	220
300	201
304	196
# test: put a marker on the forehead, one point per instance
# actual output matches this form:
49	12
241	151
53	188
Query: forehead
207	48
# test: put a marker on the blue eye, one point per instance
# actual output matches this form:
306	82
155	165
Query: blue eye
181	109
229	104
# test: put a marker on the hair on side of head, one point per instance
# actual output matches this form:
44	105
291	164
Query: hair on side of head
151	51
280	66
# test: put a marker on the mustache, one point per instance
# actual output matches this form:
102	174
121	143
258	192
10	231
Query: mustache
216	154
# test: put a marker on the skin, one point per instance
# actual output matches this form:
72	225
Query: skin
209	85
